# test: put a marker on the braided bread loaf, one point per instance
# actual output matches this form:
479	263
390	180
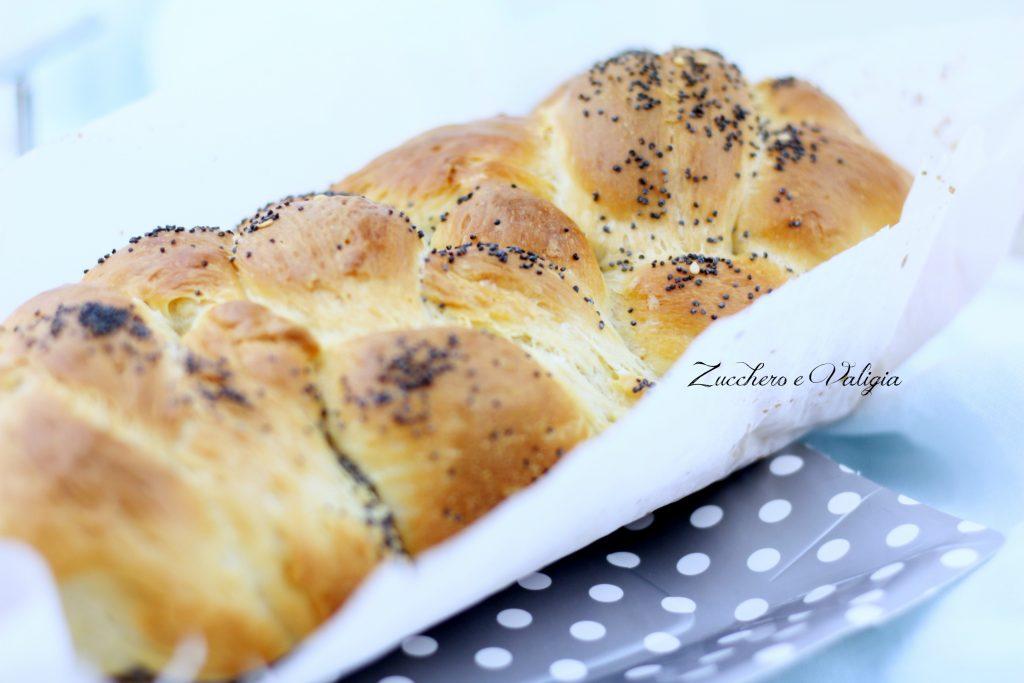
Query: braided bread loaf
222	432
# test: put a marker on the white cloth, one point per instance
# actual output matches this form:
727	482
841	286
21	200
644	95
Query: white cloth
34	641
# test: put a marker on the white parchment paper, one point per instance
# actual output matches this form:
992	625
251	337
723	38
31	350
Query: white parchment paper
874	303
857	307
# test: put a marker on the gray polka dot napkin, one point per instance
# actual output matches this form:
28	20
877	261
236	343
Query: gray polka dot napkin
736	580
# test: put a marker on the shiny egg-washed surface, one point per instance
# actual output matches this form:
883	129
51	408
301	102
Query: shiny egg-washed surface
223	432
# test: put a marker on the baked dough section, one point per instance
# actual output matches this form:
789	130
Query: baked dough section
223	432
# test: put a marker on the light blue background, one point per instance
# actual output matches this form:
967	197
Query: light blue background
952	436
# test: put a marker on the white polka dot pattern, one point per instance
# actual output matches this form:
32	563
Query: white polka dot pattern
844	503
775	511
785	465
678	605
587	630
873	595
819	593
493	658
536	581
862	615
734	637
959	558
641	523
763	559
624	560
419	646
568	670
606	592
514	618
775	654
706	516
902	535
639	673
887	572
750	609
660	642
690	592
833	550
693	564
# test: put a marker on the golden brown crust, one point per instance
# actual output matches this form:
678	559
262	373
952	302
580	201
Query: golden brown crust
143	451
651	147
664	306
426	175
522	296
118	516
98	342
449	422
335	262
818	193
448	160
510	216
797	101
176	271
331	535
339	379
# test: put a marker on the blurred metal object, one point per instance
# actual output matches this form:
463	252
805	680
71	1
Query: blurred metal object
20	58
23	96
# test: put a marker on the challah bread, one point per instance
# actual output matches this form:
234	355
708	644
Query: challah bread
222	432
